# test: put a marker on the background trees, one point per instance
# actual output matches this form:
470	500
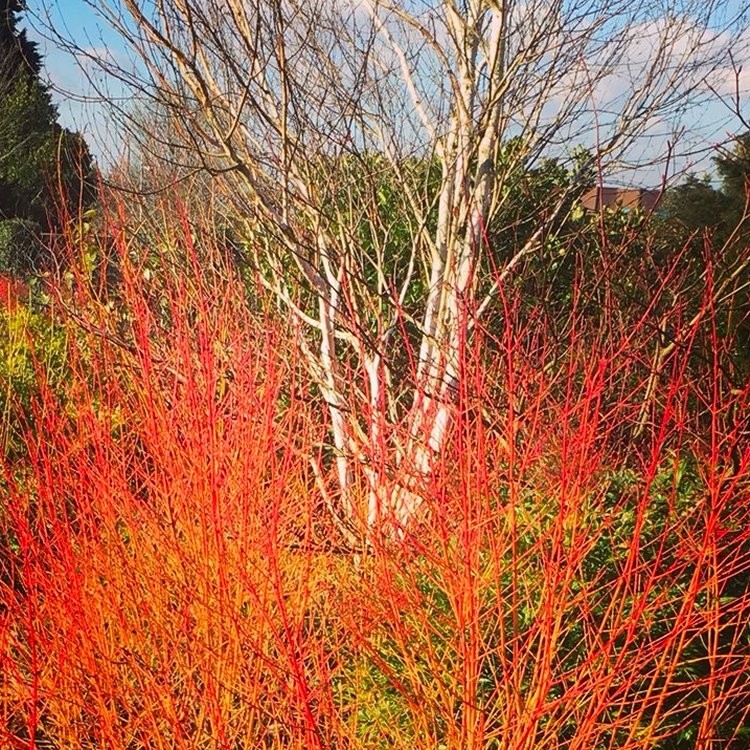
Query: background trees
46	171
714	221
733	166
697	204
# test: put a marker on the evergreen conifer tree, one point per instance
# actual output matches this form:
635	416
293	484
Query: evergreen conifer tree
734	171
45	169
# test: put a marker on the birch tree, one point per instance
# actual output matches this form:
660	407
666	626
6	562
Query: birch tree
363	144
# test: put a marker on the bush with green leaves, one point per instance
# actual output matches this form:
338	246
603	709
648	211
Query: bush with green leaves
20	246
32	355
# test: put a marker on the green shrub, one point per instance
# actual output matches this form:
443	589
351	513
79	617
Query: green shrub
32	355
20	246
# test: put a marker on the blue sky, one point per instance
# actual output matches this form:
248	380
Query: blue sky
77	20
74	19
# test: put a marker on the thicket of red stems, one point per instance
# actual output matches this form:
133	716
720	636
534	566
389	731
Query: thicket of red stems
170	578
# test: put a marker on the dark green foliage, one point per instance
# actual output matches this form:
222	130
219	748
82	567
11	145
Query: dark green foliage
20	245
734	170
543	195
696	205
18	51
45	170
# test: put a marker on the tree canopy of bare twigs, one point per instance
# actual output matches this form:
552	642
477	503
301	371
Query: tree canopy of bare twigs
363	146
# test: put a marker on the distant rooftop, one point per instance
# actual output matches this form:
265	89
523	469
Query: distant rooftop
611	197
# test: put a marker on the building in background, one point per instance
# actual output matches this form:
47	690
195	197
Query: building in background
616	197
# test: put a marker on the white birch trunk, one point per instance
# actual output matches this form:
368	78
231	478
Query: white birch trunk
288	95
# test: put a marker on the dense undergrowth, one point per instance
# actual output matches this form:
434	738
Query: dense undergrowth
170	577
